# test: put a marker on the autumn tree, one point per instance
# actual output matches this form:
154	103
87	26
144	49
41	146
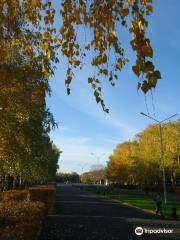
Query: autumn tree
97	174
25	120
139	162
150	152
171	133
149	156
120	163
30	24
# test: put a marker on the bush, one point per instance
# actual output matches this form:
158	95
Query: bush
21	212
20	220
45	194
13	195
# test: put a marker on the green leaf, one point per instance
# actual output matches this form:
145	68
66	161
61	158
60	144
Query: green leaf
68	91
93	86
157	74
149	8
90	80
116	77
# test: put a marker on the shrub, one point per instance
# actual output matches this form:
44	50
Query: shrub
13	195
45	194
21	212
20	221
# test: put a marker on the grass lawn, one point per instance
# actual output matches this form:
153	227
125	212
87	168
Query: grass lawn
138	199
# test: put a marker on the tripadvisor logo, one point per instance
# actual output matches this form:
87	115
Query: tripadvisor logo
139	231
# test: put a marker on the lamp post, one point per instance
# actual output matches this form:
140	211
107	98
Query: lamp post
82	168
162	150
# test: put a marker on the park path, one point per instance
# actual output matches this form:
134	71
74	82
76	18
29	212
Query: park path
82	216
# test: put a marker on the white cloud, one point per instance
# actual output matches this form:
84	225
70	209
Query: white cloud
64	128
77	151
82	99
129	131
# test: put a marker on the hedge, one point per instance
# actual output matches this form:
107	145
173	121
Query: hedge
22	212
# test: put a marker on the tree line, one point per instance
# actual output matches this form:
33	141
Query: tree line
138	162
96	175
27	154
67	177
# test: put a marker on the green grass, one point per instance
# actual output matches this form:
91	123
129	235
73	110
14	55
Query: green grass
138	199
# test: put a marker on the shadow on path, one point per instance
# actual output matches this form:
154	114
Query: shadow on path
83	216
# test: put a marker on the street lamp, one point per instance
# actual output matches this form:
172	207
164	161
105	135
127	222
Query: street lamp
162	150
82	166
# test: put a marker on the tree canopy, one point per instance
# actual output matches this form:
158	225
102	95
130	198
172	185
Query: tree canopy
97	174
26	152
139	161
31	26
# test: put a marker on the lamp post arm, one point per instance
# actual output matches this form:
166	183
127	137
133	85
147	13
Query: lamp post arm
150	117
168	118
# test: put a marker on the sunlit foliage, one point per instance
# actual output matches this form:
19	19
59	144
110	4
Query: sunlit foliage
30	25
140	161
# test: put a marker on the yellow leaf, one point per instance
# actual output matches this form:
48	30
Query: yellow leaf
136	70
104	58
93	85
145	87
46	35
125	12
68	80
76	63
148	67
119	64
152	80
36	3
147	51
105	72
46	74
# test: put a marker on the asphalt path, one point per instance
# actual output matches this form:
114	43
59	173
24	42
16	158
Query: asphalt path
83	216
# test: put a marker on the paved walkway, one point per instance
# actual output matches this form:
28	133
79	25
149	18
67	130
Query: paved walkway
83	216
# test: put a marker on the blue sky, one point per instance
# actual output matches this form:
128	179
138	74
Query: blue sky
84	128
